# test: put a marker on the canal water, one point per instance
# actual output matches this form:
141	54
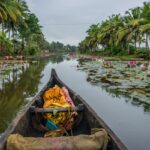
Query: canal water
130	122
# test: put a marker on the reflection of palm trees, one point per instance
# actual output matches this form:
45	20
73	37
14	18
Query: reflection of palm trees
57	58
15	92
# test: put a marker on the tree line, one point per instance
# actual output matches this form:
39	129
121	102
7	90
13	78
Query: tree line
20	31
60	47
120	32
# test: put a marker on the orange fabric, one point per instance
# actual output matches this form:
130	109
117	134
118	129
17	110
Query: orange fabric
56	98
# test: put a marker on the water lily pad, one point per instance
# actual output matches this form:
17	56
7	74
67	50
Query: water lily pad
120	80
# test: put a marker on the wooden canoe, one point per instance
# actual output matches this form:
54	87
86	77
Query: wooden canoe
22	123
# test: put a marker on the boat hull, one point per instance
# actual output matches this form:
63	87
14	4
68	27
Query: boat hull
87	120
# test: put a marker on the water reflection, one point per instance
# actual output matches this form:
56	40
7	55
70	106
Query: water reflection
56	59
19	84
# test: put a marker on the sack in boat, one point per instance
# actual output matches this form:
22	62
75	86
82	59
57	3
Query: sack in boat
95	141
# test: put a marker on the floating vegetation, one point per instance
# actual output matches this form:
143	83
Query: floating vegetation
119	79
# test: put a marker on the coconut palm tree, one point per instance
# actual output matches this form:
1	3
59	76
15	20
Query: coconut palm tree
122	31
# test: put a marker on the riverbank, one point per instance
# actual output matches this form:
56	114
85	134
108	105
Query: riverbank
112	58
22	58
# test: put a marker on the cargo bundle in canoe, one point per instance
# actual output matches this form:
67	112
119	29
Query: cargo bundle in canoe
87	118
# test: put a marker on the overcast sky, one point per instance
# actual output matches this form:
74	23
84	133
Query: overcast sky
67	20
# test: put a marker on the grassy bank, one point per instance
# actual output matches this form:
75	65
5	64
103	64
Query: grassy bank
124	56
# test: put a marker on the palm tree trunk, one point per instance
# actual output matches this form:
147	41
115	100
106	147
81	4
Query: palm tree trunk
3	27
22	45
135	43
9	34
128	47
147	46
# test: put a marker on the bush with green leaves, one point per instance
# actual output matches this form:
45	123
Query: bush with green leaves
32	49
143	53
5	44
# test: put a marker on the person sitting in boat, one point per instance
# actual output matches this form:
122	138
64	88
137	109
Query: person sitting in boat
131	64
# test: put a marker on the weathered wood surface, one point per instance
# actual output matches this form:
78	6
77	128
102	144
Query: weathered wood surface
57	110
22	123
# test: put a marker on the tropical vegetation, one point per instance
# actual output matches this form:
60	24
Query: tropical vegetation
20	31
60	47
120	34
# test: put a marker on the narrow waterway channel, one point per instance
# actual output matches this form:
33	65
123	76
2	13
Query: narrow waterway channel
130	122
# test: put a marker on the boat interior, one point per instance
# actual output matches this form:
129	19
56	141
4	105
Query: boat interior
31	124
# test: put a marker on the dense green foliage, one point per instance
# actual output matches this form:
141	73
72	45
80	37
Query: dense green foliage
60	47
120	34
20	32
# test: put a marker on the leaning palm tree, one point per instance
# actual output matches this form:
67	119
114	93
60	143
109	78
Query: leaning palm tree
10	11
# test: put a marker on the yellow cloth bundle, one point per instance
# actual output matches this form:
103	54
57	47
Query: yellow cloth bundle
55	98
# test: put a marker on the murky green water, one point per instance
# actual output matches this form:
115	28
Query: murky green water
129	120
